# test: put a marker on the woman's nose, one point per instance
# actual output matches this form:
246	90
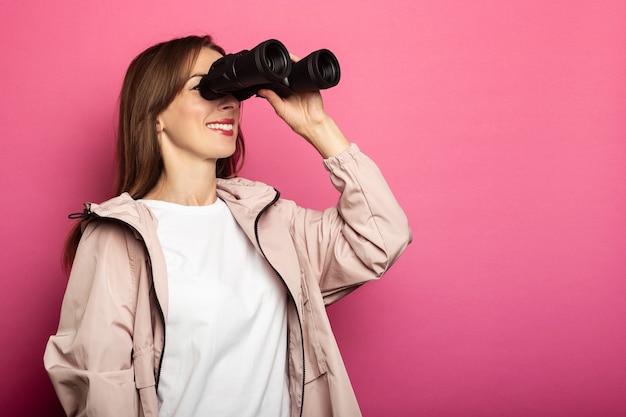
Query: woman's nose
229	102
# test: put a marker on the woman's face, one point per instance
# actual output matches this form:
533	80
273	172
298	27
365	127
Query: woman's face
192	128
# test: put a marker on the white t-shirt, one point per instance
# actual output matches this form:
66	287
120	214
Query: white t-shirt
226	339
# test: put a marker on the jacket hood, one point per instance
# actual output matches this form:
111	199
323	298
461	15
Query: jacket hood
242	195
126	209
249	195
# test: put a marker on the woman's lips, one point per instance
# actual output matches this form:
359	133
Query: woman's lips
224	126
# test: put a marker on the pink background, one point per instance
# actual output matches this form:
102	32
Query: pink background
500	125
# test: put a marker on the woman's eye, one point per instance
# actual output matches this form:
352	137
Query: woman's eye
197	87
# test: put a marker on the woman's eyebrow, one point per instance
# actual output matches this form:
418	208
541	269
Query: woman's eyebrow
197	75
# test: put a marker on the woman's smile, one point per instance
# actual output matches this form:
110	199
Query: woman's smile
223	126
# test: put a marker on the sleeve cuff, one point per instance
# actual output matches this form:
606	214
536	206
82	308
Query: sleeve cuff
343	158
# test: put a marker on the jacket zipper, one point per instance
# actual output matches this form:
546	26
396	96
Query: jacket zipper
295	305
162	315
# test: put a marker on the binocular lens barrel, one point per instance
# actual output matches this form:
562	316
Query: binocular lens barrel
329	69
317	71
268	65
275	58
267	62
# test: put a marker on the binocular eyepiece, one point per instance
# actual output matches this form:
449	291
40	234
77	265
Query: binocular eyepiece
269	66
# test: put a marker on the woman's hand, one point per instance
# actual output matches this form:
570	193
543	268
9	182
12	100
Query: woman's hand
305	114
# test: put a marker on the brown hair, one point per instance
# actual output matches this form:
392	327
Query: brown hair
153	80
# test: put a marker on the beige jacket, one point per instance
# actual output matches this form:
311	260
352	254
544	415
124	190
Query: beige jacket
105	358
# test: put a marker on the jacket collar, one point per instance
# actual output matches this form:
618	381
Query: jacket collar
240	194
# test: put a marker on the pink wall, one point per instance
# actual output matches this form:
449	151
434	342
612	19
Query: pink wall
499	124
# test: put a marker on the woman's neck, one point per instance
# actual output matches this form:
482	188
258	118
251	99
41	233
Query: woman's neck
186	186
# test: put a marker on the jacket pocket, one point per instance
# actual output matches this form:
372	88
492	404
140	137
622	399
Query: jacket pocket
107	393
317	398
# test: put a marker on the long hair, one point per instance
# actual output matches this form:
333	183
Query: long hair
153	80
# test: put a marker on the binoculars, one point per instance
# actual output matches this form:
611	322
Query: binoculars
269	66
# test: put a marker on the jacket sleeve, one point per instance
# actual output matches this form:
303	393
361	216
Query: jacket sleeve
361	237
89	358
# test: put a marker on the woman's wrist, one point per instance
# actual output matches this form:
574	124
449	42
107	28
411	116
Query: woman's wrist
327	138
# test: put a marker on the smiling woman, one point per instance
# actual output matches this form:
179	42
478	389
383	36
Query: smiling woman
156	80
235	276
193	135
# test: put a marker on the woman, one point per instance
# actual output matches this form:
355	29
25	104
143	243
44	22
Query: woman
198	293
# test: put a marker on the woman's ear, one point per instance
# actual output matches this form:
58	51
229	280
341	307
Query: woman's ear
159	126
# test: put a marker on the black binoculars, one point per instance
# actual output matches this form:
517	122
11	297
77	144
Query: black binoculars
269	66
